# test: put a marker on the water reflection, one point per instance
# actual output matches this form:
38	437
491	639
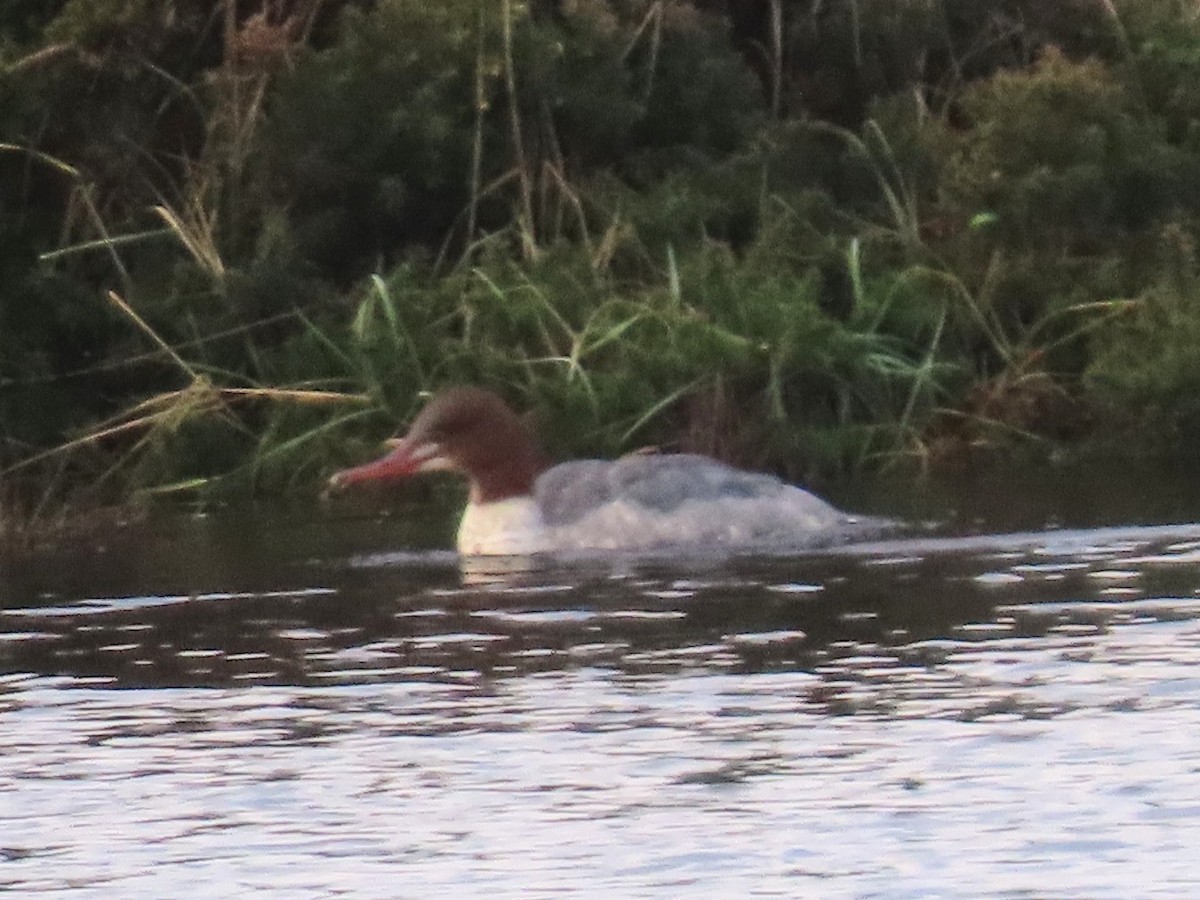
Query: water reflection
981	715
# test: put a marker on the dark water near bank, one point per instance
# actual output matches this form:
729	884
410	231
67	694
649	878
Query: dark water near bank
304	702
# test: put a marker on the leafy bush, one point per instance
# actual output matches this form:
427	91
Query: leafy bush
1145	365
819	249
368	141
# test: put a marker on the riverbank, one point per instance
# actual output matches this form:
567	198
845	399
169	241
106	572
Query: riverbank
903	238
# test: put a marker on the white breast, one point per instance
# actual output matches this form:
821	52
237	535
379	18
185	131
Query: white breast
511	527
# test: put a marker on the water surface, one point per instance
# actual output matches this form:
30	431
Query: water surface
311	701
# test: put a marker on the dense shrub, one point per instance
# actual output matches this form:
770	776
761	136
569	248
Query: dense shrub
1145	364
671	222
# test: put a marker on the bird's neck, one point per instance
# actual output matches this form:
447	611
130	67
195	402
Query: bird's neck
511	526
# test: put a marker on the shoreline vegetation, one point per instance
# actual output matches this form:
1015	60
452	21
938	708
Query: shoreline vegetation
238	241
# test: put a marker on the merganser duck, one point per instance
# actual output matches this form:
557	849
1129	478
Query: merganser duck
638	502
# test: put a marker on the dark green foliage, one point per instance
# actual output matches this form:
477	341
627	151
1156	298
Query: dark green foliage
50	332
1147	363
1164	36
664	222
699	100
22	23
369	141
1064	155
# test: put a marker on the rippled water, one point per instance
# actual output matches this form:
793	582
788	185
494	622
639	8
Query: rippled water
288	703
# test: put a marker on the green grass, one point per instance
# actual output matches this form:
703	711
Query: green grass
223	278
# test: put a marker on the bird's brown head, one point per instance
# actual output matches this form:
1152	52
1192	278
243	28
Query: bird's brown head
462	429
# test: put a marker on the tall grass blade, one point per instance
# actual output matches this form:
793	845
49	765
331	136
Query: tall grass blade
153	335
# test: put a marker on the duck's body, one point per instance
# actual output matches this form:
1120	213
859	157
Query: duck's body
633	503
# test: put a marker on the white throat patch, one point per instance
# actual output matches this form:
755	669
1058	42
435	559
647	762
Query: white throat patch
511	527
